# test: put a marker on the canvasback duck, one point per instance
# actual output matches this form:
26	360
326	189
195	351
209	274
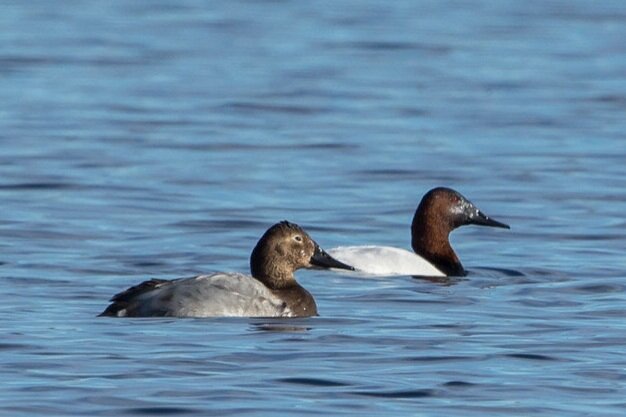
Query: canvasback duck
271	291
440	212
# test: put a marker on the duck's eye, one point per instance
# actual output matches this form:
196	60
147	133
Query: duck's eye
297	238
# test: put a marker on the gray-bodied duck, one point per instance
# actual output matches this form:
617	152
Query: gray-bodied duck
271	291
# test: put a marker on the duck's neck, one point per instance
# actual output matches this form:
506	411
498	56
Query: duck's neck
429	240
272	277
284	285
300	301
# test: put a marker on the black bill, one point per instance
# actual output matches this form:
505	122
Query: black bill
322	259
481	219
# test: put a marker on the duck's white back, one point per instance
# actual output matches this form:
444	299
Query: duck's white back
384	261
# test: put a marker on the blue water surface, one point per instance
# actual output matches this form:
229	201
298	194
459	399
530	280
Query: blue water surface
161	138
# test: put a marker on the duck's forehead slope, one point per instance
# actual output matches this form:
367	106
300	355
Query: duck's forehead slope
462	205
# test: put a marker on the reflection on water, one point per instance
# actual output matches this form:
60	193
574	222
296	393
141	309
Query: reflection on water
445	281
160	140
280	327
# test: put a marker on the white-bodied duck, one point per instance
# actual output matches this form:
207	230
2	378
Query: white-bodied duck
440	212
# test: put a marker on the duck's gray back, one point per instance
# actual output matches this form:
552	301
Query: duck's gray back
220	294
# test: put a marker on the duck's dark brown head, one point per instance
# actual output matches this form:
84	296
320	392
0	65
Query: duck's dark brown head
440	212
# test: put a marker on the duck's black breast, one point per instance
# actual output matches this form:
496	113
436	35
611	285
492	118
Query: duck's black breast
298	300
451	266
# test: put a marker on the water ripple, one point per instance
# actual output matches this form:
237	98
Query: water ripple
314	382
418	393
